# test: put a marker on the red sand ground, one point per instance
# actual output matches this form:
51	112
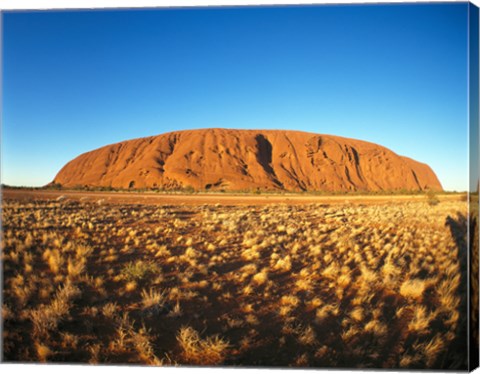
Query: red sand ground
211	198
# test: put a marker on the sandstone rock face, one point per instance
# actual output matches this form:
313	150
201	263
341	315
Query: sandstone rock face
233	160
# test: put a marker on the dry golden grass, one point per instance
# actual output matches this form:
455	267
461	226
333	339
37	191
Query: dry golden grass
198	351
377	286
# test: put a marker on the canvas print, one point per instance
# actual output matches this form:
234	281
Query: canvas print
256	186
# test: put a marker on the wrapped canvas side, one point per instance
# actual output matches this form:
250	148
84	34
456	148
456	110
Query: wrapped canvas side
473	184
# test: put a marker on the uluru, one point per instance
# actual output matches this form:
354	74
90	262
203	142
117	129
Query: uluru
245	160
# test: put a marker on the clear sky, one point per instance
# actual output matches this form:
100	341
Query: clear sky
395	75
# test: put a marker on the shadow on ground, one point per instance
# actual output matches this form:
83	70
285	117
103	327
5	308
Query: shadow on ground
458	350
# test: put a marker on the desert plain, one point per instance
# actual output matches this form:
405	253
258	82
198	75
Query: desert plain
235	279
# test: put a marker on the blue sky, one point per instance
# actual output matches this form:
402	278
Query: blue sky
395	75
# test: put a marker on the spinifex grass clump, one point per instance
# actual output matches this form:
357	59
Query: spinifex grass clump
138	270
372	286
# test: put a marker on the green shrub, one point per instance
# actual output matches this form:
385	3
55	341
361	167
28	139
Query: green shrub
432	198
188	189
138	270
